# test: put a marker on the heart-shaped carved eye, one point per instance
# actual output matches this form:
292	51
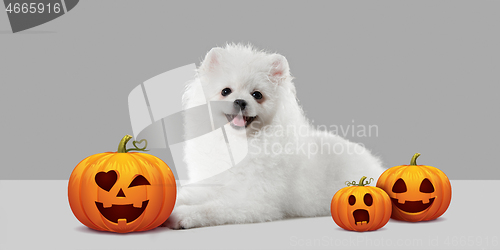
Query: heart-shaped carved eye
426	186
139	180
106	180
399	186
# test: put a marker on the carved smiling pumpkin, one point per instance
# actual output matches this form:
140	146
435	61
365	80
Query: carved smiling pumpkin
418	192
360	208
122	192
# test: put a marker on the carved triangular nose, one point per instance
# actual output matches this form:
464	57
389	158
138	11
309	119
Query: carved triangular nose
120	193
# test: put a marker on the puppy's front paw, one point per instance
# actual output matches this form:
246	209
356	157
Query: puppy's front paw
181	218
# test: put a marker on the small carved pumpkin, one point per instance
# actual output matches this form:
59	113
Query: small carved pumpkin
361	208
122	192
417	192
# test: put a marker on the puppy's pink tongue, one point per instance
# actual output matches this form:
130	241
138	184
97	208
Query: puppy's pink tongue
239	121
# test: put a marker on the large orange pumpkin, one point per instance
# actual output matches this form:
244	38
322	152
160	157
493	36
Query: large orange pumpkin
418	192
122	191
361	208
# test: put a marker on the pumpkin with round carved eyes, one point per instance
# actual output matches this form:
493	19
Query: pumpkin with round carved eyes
418	192
361	208
121	191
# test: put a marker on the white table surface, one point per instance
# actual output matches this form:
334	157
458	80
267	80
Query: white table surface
36	215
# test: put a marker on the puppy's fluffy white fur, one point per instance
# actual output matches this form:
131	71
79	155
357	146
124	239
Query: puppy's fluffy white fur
265	185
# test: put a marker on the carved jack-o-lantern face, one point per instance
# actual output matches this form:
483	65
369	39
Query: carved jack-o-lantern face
122	192
417	192
361	208
123	200
413	198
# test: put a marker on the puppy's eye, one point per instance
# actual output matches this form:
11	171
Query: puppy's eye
257	95
225	92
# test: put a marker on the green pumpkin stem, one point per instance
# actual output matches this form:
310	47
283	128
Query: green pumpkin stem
413	161
123	143
361	183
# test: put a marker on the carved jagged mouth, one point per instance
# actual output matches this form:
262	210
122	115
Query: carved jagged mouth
361	217
116	212
238	121
412	206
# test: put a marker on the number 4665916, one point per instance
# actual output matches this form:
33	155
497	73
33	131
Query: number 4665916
32	8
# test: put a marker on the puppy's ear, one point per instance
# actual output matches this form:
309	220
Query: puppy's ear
212	60
279	68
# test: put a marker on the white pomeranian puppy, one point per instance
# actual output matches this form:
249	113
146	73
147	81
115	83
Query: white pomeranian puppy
290	170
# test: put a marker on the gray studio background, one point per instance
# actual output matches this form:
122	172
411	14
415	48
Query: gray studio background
426	73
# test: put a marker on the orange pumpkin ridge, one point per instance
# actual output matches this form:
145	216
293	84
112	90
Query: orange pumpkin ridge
121	191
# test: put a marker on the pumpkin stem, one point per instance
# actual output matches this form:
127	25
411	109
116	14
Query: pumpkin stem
122	146
414	159
361	182
123	143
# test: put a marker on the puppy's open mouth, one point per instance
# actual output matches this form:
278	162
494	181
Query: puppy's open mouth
239	121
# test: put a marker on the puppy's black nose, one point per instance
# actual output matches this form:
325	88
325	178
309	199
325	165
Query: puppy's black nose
239	103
